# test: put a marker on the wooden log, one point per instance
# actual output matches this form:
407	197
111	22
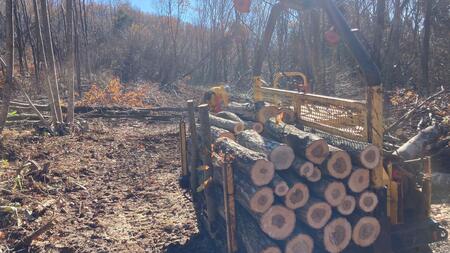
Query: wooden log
256	199
336	235
221	133
279	186
288	115
299	242
302	167
365	230
251	236
298	193
332	191
315	213
193	148
229	116
367	201
229	125
347	206
267	112
245	111
362	154
359	180
306	145
253	164
278	222
256	126
316	176
337	165
280	154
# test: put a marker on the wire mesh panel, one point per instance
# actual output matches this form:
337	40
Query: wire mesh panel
342	117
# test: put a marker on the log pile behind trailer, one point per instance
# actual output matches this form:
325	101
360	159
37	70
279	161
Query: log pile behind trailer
294	191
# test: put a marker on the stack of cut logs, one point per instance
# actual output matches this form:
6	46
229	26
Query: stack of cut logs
294	191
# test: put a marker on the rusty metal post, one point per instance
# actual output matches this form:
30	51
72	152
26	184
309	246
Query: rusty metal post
205	131
183	150
193	147
229	205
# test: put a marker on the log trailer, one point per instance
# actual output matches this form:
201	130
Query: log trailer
404	200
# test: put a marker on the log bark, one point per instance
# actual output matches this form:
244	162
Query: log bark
336	236
252	164
229	125
337	165
359	180
278	222
245	111
229	116
267	112
280	154
299	242
279	186
332	191
302	167
416	146
316	176
221	133
365	230
362	154
256	126
348	205
367	201
288	115
315	213
306	145
253	198
248	230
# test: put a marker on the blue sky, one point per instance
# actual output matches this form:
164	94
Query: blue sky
145	5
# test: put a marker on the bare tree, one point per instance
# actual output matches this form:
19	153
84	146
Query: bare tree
425	55
8	89
70	60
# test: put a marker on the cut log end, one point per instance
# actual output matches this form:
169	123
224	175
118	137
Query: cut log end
281	189
339	165
370	157
316	175
262	172
300	243
272	249
368	201
297	196
337	235
278	222
239	127
262	200
317	151
366	231
347	206
335	193
282	156
318	215
258	127
303	168
359	180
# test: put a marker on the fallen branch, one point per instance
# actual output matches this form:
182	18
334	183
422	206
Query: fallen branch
411	112
26	242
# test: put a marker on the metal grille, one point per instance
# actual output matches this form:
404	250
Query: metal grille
341	117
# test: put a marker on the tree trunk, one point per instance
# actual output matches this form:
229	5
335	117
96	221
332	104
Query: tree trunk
425	55
280	154
315	213
244	111
299	242
316	176
347	207
232	126
298	193
367	201
359	180
221	133
251	163
51	59
379	31
307	145
70	61
229	116
331	191
8	87
278	222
